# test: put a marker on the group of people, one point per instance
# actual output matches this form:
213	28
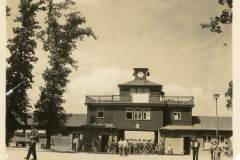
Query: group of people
217	151
220	151
135	146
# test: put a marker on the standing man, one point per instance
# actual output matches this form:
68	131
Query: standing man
212	148
162	147
195	148
120	146
170	150
125	147
217	152
134	146
76	143
33	141
225	150
130	146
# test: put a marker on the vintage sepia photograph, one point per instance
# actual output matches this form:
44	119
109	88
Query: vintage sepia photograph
119	79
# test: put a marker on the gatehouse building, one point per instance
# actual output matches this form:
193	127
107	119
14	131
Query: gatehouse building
142	111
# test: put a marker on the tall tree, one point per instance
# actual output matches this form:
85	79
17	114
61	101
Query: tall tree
59	39
215	26
20	65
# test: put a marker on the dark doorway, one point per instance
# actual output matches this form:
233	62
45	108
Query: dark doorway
104	143
187	145
120	134
156	137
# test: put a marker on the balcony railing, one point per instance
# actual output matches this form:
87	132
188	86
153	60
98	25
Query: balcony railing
129	99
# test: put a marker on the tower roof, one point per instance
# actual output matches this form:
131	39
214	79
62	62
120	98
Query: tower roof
140	82
140	79
140	69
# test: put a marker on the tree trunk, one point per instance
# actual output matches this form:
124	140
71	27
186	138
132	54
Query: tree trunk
48	136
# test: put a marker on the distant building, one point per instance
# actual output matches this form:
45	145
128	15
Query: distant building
61	141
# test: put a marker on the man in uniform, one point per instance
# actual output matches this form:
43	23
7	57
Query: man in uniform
134	146
33	141
114	146
226	150
130	146
161	147
212	148
140	146
217	152
76	143
152	146
195	148
125	147
144	144
120	147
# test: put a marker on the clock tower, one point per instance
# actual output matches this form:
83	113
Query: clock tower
141	73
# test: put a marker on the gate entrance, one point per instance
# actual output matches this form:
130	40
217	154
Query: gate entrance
187	145
104	143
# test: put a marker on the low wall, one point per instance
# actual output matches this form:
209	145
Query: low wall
175	143
61	143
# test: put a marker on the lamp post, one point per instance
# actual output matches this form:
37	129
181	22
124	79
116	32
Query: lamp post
216	96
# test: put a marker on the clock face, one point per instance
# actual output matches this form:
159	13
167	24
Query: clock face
140	74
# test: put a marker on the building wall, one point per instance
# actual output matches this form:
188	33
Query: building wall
186	115
124	91
61	143
116	115
175	143
160	115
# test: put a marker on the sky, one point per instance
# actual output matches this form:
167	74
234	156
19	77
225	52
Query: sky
164	36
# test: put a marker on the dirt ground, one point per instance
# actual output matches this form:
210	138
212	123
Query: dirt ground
19	154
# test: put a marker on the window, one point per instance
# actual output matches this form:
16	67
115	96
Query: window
146	90
146	114
138	114
139	90
100	113
221	139
207	139
177	116
132	90
129	113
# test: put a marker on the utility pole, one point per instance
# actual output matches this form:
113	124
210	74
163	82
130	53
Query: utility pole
216	96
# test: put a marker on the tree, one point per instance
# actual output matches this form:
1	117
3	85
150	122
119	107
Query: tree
20	65
215	26
8	11
229	95
225	17
59	39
